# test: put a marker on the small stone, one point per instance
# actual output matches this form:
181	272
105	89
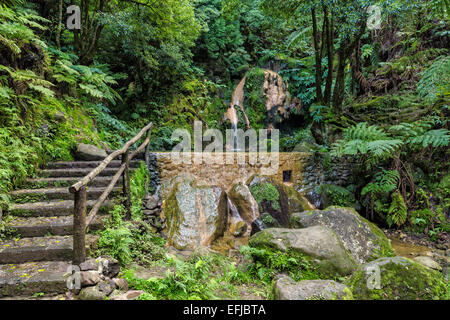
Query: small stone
151	212
130	295
59	116
429	254
89	278
107	286
151	202
239	228
428	262
110	266
92	293
90	264
121	284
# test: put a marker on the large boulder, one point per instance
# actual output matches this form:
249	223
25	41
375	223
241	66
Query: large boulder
397	278
195	215
320	246
285	288
363	239
89	152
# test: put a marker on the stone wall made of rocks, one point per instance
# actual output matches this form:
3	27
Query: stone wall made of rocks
302	170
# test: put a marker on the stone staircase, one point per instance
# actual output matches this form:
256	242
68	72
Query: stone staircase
38	249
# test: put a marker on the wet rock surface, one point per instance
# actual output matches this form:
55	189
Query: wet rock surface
195	215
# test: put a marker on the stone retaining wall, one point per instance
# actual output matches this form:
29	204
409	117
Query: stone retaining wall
301	170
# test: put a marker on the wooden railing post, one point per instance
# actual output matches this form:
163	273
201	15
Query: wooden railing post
79	227
126	184
147	150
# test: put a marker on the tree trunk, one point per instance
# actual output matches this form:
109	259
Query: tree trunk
58	32
339	85
318	57
330	54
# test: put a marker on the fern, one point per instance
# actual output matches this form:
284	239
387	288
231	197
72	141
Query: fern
371	143
435	138
397	213
384	181
435	81
420	134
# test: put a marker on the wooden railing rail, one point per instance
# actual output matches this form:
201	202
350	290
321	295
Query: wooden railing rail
80	221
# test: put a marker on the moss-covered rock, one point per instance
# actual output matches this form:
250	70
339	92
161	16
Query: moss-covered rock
363	239
322	247
397	278
275	198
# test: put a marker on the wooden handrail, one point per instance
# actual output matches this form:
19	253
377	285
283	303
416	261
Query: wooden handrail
111	185
80	222
89	177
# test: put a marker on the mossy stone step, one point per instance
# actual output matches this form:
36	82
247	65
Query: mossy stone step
36	195
74	172
88	164
33	277
54	248
52	208
43	226
35	183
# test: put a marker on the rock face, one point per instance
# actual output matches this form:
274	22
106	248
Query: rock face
271	197
195	215
321	246
244	202
89	152
397	278
364	240
287	289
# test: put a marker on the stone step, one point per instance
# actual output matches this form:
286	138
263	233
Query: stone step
43	226
36	195
52	208
74	172
33	183
54	248
33	277
87	164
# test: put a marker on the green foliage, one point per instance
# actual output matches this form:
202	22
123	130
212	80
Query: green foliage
254	99
397	212
117	242
435	81
336	195
371	143
266	192
267	263
206	276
